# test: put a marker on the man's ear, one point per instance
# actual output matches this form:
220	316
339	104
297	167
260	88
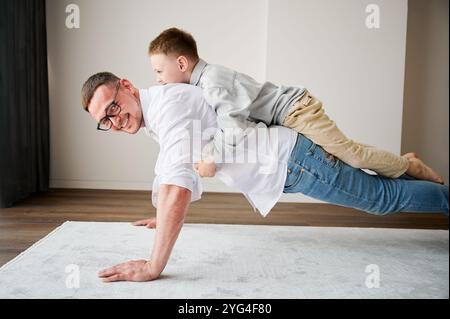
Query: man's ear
126	84
182	63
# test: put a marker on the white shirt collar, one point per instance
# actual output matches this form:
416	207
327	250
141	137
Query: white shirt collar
146	97
197	72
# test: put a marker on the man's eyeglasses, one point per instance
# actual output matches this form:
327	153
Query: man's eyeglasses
113	109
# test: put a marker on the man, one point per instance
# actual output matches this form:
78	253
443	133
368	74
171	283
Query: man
174	114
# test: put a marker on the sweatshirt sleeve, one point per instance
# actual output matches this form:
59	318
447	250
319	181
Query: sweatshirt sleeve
230	95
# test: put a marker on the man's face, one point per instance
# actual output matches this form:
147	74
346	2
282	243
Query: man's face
130	118
168	69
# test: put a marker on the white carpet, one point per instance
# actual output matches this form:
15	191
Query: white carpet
234	261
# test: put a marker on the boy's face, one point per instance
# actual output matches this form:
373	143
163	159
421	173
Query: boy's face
169	68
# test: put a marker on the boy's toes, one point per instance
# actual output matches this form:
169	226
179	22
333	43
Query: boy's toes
410	155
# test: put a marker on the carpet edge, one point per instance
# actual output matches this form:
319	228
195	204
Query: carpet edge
33	246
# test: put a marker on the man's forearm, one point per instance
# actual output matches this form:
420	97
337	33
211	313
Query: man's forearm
173	203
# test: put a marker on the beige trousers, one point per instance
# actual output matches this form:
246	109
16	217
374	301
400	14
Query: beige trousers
308	117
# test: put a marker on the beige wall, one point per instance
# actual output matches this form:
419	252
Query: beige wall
357	72
321	44
426	107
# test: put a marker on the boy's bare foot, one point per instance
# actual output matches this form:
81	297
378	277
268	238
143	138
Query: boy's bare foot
410	155
418	169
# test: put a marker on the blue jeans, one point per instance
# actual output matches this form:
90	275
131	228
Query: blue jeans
314	172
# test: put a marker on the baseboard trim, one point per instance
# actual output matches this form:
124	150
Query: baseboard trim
210	185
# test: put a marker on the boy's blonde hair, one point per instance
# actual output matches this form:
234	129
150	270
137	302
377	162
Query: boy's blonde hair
175	41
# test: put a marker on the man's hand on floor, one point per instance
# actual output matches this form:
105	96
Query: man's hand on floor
134	270
173	204
149	223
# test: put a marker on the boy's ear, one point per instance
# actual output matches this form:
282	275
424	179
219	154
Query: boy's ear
182	63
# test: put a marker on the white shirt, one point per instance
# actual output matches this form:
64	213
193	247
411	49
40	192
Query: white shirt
179	119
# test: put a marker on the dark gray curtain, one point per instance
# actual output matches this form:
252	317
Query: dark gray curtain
24	110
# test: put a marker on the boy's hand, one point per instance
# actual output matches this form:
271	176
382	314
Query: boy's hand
205	168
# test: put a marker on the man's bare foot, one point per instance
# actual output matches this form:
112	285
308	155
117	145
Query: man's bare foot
149	223
418	169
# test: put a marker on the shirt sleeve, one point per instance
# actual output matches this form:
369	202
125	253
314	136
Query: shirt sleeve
174	164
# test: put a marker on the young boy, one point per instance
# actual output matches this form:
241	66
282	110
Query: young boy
240	102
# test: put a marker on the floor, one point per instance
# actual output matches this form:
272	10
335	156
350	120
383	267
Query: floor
213	261
35	217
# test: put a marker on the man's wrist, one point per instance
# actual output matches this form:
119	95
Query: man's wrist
151	271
